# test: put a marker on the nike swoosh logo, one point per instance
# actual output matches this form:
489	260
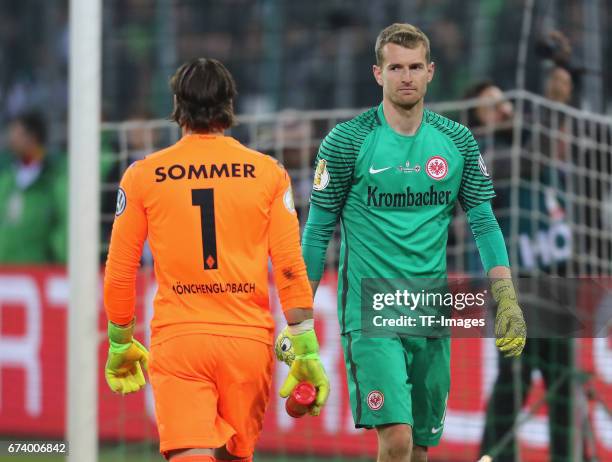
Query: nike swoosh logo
374	171
436	430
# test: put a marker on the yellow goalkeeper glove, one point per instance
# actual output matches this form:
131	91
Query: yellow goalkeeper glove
510	327
126	359
283	347
307	367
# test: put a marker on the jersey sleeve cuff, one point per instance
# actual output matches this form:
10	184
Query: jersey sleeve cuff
290	298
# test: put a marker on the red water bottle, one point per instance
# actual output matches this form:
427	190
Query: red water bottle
300	400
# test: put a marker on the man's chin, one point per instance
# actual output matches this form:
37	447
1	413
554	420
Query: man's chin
406	103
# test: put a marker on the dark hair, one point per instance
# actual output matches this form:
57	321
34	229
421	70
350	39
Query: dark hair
474	91
34	123
477	88
204	92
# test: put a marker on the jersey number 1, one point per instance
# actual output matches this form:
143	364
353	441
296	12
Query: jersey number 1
205	199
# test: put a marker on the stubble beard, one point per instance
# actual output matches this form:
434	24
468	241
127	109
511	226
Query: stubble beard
405	105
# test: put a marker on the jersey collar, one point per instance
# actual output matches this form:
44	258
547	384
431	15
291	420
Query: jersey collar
200	137
383	121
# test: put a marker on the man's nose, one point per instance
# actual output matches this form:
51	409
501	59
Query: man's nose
407	76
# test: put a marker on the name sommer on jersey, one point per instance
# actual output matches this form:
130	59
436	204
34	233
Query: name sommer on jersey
191	172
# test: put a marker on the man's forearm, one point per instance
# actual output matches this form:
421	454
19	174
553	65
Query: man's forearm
489	239
297	315
317	233
498	272
119	297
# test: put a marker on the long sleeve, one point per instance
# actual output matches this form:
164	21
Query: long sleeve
335	165
476	185
127	238
317	233
284	243
488	236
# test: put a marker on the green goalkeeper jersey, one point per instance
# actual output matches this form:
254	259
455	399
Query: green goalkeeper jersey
395	195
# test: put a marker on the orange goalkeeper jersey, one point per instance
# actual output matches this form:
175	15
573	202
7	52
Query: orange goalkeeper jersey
213	212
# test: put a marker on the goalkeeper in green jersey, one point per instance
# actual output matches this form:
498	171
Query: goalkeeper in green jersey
392	176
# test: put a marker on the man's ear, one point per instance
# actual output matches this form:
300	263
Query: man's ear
377	71
431	70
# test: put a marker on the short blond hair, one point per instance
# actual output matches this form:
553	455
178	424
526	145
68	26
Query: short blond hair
405	35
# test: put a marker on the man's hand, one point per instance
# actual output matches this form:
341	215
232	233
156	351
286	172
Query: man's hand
126	359
307	367
510	328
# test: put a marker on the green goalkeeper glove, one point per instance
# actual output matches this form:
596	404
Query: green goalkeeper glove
510	328
307	367
126	358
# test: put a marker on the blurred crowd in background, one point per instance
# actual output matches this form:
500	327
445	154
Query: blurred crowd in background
296	55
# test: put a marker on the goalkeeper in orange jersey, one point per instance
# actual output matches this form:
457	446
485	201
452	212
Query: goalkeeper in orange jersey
213	212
